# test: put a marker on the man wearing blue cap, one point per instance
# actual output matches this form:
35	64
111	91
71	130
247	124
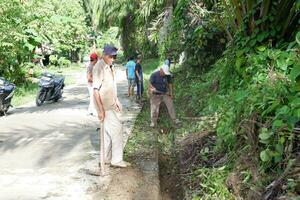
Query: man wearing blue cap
107	104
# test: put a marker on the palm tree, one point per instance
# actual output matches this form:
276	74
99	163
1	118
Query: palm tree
279	15
131	16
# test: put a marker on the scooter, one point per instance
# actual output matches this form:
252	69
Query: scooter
7	90
51	88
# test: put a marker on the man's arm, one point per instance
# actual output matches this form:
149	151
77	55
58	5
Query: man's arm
151	88
137	74
118	105
89	70
99	104
89	77
126	66
98	76
170	87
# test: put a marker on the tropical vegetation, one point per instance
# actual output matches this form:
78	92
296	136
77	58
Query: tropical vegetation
236	66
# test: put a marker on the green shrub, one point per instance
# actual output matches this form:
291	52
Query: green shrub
54	59
63	62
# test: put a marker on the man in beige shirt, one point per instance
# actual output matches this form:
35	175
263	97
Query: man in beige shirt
107	104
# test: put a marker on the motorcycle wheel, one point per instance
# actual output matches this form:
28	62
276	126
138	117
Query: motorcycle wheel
56	99
58	96
40	98
4	110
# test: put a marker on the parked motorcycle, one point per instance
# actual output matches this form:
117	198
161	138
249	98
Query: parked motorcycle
51	88
7	90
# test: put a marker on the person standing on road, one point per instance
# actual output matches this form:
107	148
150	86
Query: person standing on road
160	89
130	74
139	79
107	104
93	61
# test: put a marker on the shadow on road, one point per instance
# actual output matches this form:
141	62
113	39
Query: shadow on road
49	133
73	97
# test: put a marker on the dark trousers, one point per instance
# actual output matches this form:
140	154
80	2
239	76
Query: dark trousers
140	88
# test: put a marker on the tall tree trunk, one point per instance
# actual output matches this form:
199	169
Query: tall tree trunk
126	30
231	19
265	5
290	28
249	7
238	12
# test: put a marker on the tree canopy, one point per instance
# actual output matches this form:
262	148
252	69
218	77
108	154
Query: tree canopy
26	25
240	60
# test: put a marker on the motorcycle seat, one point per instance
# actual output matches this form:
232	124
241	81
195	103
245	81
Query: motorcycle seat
9	88
47	74
58	80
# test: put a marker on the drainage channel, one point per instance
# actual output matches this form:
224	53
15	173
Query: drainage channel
170	184
169	168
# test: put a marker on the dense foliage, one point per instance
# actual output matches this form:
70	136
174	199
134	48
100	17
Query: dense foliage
25	25
239	65
134	19
250	53
252	92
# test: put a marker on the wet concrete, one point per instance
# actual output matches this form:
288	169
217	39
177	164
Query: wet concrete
47	152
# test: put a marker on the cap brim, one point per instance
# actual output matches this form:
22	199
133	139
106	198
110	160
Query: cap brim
114	53
166	72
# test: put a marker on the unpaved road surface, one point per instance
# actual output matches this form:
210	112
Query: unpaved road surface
47	152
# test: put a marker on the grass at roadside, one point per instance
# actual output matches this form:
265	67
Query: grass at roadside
66	72
27	92
149	66
202	181
142	128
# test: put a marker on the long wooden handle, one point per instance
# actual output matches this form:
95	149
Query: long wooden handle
102	164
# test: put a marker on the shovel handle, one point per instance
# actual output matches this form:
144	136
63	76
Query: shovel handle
102	164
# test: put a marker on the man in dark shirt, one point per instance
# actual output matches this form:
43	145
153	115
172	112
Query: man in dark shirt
139	79
160	89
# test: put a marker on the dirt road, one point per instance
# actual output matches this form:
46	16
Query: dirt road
46	152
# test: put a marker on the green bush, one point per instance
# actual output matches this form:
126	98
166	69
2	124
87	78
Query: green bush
265	83
54	59
63	62
26	25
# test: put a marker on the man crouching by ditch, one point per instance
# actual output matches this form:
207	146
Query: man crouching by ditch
107	104
160	90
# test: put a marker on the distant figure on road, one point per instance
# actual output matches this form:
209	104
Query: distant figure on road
130	74
107	104
93	61
139	78
160	89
